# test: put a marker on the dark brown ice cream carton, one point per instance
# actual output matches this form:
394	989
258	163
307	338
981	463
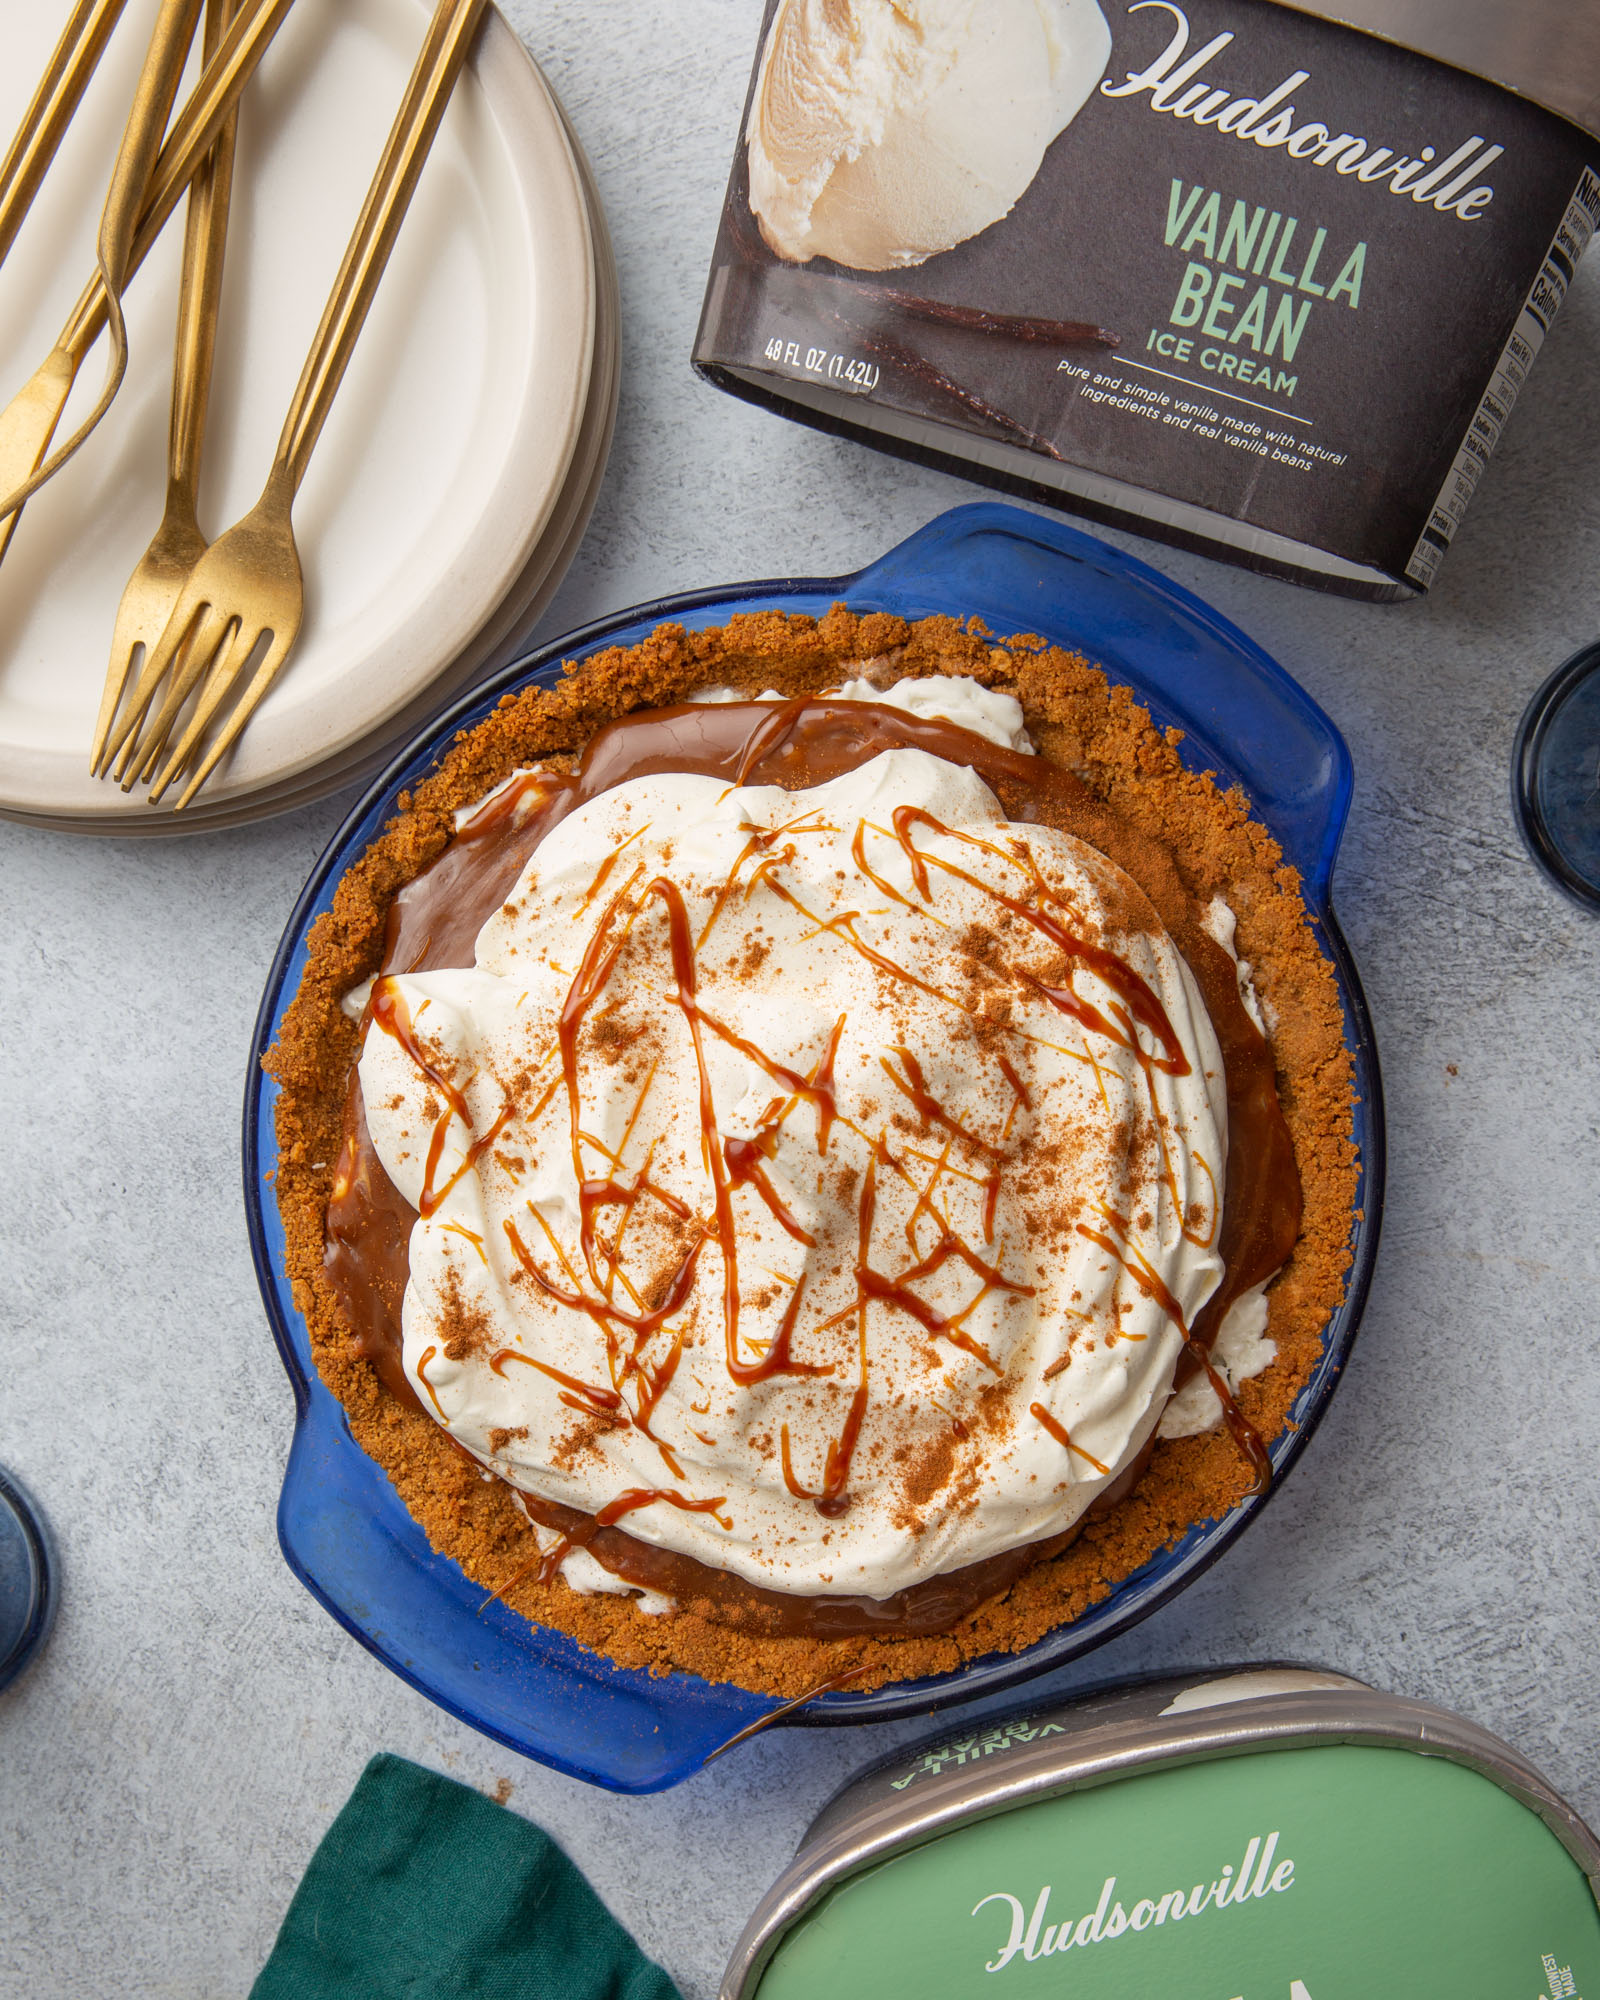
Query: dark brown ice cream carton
1232	273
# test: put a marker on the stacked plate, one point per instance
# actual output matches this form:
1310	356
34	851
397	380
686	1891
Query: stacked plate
458	469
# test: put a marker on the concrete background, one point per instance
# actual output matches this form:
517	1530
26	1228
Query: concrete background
171	1761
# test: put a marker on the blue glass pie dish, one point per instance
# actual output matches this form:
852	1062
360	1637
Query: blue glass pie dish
344	1531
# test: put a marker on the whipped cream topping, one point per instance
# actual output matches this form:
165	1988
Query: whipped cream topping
809	1182
1240	1350
885	131
1219	922
988	712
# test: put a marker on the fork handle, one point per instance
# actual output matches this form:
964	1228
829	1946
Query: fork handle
205	238
193	131
141	139
73	62
439	63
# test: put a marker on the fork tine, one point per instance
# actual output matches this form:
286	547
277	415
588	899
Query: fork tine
225	670
197	648
122	648
196	630
126	737
243	709
126	638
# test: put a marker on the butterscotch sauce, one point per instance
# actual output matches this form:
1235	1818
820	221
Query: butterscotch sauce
434	922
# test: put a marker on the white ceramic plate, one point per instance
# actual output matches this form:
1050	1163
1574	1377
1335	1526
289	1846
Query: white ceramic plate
447	463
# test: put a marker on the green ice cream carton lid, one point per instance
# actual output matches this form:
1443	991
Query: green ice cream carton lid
1245	1834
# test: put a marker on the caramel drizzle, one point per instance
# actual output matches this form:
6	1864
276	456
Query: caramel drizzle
652	1383
647	1496
390	1013
925	1203
1059	1433
423	1359
1138	999
778	1360
1135	1020
897	1291
832	1501
744	1157
1138	1268
467	1236
432	1197
1138	1005
545	1563
991	1205
858	853
603	872
578	1395
828	1686
914	1085
1016	1083
728	1162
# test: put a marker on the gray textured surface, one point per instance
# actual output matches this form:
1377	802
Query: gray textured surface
167	1767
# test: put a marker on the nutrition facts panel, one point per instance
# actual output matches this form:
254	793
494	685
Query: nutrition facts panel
1527	337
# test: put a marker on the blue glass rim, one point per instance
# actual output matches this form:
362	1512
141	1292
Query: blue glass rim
1528	804
1307	786
29	1620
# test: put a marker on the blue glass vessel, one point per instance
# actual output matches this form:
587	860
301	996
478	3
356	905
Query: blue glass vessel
344	1531
27	1579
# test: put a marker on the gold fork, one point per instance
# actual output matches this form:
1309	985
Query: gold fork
28	422
247	588
178	544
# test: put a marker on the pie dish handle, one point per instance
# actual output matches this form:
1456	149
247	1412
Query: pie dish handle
1241	715
349	1538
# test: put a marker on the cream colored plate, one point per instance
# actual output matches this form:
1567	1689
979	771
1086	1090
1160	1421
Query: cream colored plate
522	606
448	462
500	641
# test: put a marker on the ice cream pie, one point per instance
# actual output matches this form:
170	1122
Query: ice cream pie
783	1158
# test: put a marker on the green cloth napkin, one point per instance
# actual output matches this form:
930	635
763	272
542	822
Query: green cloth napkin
423	1889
